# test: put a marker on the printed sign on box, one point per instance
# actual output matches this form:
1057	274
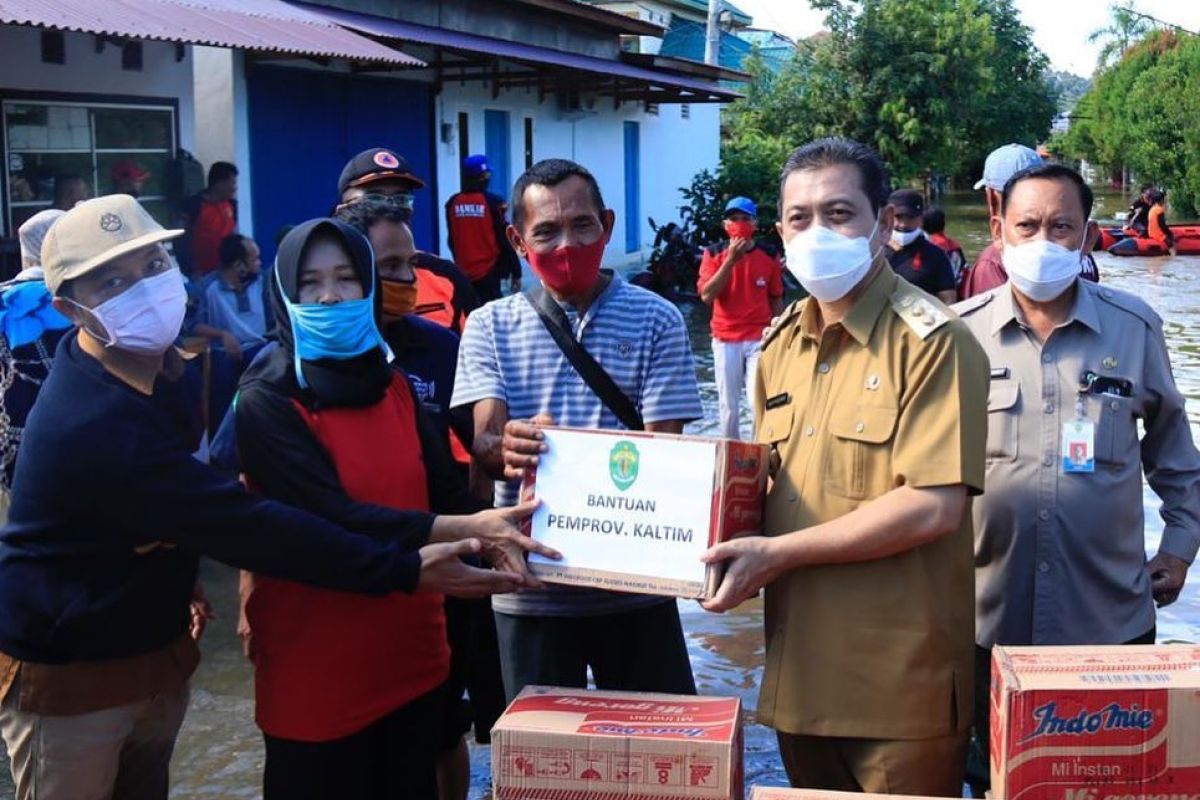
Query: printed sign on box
633	511
575	743
1096	723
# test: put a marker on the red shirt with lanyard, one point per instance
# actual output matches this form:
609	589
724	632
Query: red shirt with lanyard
327	664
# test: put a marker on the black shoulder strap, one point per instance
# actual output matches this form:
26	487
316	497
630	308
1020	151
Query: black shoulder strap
588	368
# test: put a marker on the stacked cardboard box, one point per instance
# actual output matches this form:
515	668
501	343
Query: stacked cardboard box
773	793
574	744
1096	723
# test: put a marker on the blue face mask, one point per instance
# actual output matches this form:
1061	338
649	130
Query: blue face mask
339	331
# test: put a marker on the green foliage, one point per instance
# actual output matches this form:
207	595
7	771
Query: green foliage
1124	29
934	85
1144	112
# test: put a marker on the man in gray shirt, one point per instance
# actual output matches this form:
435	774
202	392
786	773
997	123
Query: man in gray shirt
1059	533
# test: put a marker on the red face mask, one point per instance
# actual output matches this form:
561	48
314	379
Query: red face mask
739	229
568	271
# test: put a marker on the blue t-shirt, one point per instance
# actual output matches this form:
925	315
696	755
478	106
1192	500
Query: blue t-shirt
507	354
243	313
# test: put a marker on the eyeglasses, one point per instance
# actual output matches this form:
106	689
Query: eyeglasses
402	202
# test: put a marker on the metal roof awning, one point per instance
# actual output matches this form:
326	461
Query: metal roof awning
582	72
269	26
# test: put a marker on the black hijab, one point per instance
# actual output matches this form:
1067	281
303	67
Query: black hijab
355	382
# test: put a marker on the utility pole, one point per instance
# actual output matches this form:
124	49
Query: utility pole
712	38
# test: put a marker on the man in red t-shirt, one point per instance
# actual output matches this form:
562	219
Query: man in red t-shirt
476	221
207	218
743	282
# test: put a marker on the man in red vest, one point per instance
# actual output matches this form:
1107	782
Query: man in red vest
475	223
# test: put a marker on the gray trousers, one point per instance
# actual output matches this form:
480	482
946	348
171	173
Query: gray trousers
119	753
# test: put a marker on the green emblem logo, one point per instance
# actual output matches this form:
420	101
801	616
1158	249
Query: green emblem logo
623	465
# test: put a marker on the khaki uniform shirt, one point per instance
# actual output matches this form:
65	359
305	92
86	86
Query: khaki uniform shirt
1060	558
893	395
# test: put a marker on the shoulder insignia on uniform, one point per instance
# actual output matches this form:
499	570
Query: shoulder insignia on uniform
972	304
919	313
1126	302
791	312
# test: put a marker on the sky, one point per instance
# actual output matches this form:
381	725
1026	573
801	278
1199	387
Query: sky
1060	27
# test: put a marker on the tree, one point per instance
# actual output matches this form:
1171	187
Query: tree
1125	27
934	85
1143	112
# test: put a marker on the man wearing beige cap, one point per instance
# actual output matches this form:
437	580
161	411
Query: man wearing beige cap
110	513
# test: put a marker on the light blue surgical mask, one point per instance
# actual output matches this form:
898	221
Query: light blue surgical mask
338	330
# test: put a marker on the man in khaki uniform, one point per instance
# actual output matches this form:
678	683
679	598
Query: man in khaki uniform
1060	553
872	396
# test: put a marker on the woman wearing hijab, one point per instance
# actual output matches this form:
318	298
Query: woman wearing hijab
347	689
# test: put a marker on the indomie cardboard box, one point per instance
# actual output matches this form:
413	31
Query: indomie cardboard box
633	511
1096	723
575	744
774	793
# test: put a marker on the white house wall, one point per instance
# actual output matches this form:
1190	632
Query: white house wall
87	72
673	150
222	120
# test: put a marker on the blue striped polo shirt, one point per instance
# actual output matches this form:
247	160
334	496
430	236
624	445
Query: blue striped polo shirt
507	354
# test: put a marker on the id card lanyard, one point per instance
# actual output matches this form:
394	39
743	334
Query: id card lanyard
1079	435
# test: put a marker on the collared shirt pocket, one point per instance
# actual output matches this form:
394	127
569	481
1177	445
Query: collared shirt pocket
1004	420
775	430
858	458
1116	431
776	425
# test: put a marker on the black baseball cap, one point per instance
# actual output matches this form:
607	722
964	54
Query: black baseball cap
909	200
376	164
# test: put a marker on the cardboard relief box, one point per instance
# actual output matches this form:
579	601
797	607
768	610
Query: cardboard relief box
575	744
774	793
1096	723
633	511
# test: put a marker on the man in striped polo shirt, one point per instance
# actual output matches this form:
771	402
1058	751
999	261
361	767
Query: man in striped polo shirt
514	377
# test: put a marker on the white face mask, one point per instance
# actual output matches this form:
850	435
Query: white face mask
828	264
1040	269
146	317
905	238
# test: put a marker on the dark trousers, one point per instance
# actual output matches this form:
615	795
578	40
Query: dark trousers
223	382
391	759
489	286
474	669
979	758
638	651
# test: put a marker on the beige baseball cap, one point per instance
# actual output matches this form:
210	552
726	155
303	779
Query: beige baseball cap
95	232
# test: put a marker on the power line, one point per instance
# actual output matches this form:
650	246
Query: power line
1131	10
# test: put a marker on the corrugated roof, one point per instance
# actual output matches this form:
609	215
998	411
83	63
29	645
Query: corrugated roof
271	26
519	51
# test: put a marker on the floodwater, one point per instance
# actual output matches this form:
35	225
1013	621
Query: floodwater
219	754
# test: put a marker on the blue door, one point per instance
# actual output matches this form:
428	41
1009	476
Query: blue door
304	127
496	147
633	188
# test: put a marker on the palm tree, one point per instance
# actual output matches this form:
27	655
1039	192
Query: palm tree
1126	26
